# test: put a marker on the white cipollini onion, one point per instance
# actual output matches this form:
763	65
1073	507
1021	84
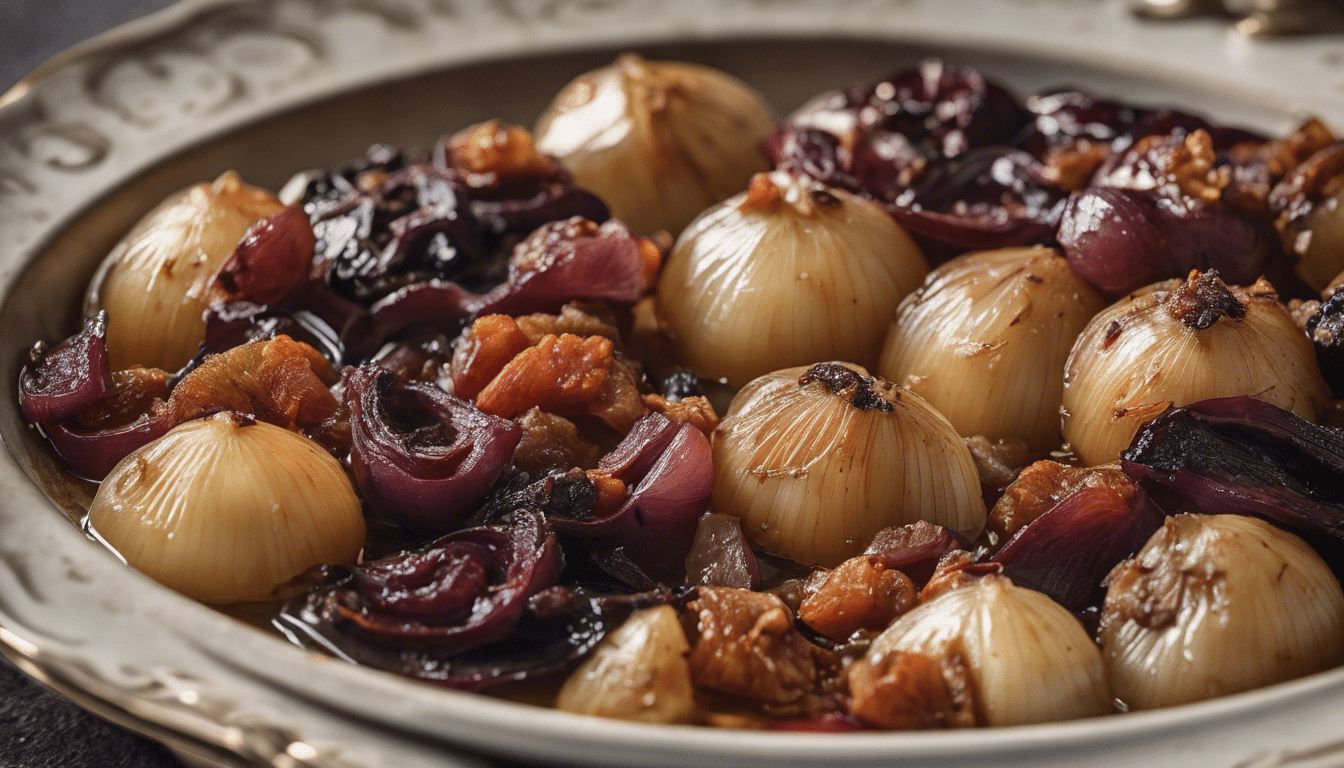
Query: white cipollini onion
815	461
639	672
1216	604
985	340
226	510
787	273
155	284
1322	243
1177	343
658	141
1005	654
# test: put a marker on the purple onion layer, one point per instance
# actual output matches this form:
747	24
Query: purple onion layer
60	382
1068	550
1245	456
419	455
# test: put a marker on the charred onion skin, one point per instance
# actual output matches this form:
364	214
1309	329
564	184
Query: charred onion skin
1246	456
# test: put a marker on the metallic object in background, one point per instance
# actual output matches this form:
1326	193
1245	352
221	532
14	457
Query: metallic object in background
1258	18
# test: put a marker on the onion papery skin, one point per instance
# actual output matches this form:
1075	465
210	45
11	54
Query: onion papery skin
814	478
658	141
157	281
787	274
1027	659
1136	358
985	338
1216	604
228	510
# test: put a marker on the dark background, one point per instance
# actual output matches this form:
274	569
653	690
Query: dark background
39	728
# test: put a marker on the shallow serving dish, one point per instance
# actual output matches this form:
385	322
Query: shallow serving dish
93	139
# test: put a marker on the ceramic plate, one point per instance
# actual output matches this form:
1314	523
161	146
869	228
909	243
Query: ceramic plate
96	137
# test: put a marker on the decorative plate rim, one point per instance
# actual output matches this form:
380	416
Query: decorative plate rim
228	690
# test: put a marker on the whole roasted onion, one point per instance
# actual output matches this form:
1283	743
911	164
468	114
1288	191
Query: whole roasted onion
788	273
1177	343
984	339
658	141
225	509
815	461
157	281
1216	604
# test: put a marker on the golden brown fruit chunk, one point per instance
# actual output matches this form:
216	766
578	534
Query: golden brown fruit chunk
861	593
745	644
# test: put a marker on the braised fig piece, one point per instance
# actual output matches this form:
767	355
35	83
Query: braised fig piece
1245	456
420	455
861	593
720	555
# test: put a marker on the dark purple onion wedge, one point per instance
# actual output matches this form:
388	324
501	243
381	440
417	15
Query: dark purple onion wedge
59	382
915	549
720	555
426	306
419	455
669	473
1067	552
271	260
558	629
93	453
234	323
572	260
1123	239
1245	456
465	590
